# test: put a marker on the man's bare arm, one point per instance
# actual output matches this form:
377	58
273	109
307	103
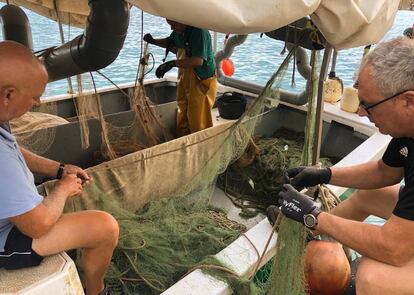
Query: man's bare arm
44	166
391	243
43	217
38	164
369	175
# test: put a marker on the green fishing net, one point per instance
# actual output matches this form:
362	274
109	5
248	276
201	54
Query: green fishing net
163	240
256	186
160	196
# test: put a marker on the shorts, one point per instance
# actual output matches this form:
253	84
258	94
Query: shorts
18	252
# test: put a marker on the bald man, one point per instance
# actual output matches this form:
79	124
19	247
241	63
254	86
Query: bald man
31	226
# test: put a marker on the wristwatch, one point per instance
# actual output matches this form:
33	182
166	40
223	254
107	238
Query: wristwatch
311	220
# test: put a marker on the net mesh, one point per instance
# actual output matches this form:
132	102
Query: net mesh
34	130
288	275
159	191
256	186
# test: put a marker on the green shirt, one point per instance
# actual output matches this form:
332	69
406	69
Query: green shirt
197	42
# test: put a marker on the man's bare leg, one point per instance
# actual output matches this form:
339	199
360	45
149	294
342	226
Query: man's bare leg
96	232
374	277
362	203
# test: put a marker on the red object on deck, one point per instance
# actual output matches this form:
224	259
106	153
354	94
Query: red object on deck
228	67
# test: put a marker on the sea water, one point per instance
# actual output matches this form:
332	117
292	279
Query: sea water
255	60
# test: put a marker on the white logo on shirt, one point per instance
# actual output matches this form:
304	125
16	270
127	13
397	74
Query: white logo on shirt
404	151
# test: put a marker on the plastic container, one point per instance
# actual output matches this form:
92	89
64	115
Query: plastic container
350	101
231	105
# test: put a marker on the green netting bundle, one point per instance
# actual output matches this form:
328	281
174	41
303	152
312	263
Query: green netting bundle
174	231
162	241
256	186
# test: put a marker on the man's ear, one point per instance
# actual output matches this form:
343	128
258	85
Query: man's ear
6	94
409	95
409	98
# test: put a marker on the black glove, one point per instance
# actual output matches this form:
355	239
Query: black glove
295	204
301	177
163	68
148	38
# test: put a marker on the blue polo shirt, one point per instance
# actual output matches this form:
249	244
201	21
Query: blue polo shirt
18	193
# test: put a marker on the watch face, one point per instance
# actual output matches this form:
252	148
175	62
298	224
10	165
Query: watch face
309	220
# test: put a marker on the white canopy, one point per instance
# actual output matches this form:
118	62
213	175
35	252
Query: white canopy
344	23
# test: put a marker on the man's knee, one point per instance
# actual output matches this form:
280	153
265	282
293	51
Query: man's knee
361	196
108	226
378	202
367	278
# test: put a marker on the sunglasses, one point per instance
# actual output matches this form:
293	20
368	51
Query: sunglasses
366	107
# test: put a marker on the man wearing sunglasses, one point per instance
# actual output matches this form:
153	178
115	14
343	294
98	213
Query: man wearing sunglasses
386	94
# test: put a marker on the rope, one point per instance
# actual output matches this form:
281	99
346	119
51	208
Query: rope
142	48
329	201
113	83
62	39
328	198
274	228
140	275
295	36
110	151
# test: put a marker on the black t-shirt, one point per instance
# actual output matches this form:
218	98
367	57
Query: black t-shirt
400	153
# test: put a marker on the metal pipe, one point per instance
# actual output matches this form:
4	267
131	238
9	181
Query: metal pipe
62	40
319	105
302	62
15	25
332	73
97	47
227	51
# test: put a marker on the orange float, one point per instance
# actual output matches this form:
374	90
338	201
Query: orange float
228	67
327	269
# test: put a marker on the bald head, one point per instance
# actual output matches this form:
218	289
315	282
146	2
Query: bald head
22	80
19	65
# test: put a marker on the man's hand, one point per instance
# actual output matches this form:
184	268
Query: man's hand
163	68
295	204
301	177
149	39
70	185
78	172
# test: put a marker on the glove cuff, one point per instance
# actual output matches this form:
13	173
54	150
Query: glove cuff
326	175
172	63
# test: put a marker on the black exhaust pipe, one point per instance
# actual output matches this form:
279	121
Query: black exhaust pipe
97	47
15	25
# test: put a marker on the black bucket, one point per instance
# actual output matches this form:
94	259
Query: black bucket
231	105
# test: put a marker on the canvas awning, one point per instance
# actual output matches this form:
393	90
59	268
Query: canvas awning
344	23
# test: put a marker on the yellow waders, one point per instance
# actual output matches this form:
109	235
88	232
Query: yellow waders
195	99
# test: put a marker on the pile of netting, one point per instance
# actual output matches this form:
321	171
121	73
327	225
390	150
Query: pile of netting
256	186
163	240
160	195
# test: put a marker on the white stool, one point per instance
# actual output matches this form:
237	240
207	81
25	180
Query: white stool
56	275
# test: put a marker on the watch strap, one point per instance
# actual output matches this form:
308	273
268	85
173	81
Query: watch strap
315	212
59	173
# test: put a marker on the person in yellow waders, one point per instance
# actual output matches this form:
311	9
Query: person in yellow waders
197	82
